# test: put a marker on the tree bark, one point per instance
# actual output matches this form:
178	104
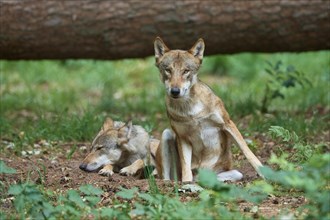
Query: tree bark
98	29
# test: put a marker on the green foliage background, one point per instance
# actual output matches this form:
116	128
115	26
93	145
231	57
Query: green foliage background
68	100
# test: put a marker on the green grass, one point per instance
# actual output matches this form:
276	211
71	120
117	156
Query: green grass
67	100
247	78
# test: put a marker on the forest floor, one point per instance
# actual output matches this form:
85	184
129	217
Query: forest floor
51	110
58	170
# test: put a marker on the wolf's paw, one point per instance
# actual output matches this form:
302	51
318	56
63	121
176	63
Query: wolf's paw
231	175
127	171
106	172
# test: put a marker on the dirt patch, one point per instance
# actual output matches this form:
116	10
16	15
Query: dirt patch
56	171
59	170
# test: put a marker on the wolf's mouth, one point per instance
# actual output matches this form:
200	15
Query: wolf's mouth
175	96
84	167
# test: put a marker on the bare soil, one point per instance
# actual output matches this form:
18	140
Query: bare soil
58	170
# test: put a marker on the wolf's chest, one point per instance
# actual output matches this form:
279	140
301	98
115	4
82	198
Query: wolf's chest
199	133
197	125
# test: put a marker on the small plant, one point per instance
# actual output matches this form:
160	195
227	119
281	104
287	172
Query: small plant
4	169
301	151
309	174
217	201
32	201
278	132
312	178
29	201
281	78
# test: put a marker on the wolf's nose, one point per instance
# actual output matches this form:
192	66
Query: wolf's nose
83	166
175	92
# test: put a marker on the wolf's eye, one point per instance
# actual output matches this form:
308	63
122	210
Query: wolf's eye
186	71
168	70
98	147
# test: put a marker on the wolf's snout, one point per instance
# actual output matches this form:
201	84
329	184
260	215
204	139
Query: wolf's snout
175	92
83	166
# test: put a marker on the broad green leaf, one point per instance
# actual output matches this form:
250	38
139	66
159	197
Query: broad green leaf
48	210
68	210
90	190
127	193
93	200
139	209
35	196
204	195
147	197
74	196
192	188
5	169
207	178
15	190
2	215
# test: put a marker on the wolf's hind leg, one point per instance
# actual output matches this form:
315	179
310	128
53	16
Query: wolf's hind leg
225	162
231	175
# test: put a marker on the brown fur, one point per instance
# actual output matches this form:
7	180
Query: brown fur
201	128
120	147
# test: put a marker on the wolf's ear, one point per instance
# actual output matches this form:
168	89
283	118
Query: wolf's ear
108	123
126	131
198	49
124	137
160	48
129	125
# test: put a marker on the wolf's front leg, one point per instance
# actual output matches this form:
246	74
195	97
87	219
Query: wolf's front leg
133	168
107	170
185	152
167	156
129	147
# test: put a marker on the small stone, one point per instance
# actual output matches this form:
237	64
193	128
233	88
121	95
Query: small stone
83	148
275	201
191	188
247	209
36	152
254	209
10	145
54	162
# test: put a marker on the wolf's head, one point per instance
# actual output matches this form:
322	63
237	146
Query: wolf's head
178	68
106	146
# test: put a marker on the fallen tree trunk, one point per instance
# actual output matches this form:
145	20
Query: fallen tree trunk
34	29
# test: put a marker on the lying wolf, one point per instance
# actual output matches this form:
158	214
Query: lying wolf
120	147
